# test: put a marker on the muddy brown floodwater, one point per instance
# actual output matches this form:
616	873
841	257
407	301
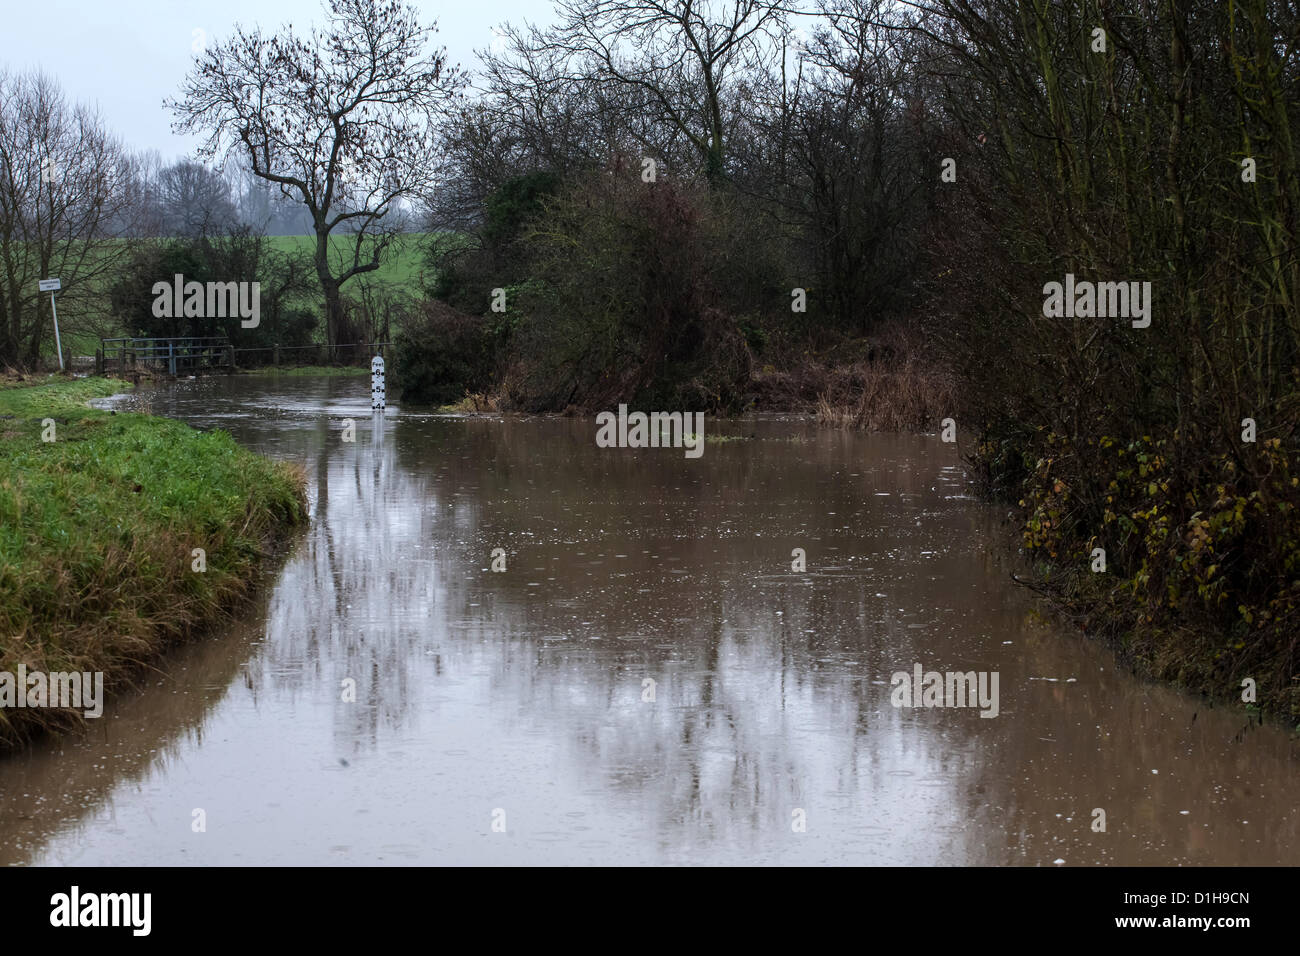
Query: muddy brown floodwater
518	697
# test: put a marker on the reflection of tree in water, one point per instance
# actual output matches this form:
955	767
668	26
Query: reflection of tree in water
625	565
621	566
357	600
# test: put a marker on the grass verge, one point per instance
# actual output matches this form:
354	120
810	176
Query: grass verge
98	531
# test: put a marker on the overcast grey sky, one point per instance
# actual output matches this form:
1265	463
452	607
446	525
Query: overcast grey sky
127	55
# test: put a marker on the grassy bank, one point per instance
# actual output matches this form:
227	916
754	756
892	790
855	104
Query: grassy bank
98	531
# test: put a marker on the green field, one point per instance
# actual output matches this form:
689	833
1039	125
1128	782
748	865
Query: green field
81	327
402	270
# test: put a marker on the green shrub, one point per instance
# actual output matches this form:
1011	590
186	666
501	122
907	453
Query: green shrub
626	308
441	355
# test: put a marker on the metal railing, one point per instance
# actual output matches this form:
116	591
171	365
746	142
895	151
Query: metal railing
175	355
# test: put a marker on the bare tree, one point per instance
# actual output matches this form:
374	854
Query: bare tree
64	190
194	200
342	121
534	113
682	60
851	151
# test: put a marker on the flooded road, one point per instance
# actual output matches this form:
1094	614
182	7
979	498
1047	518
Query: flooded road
518	700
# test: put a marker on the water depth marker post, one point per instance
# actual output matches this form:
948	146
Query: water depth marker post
52	286
378	392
